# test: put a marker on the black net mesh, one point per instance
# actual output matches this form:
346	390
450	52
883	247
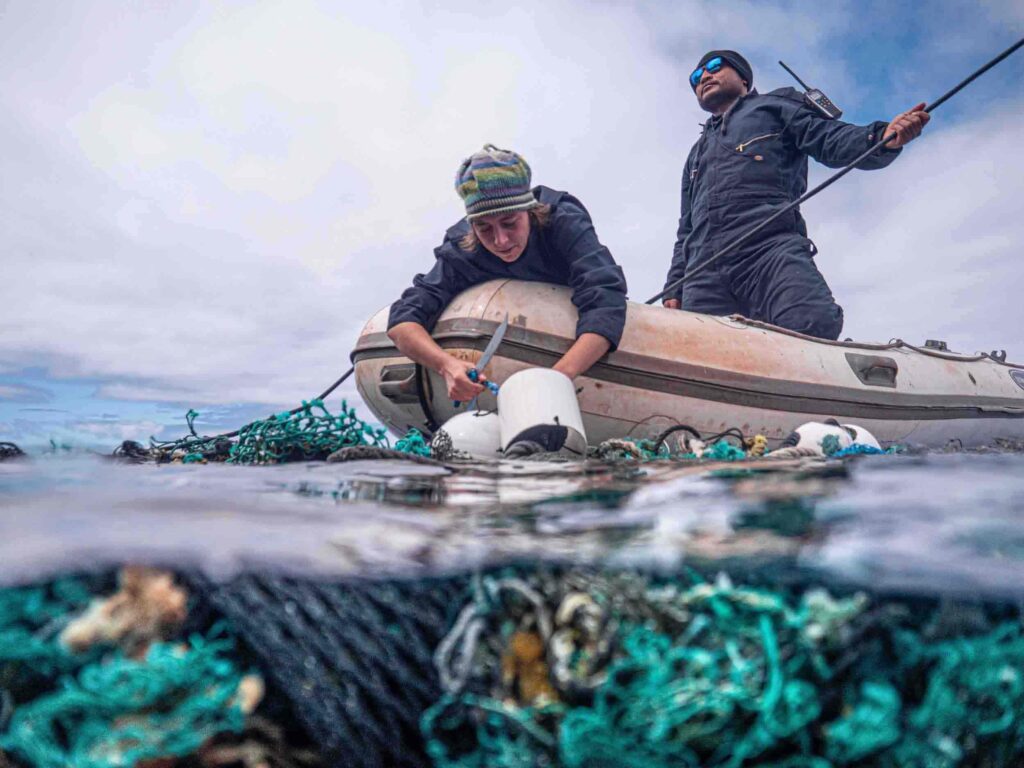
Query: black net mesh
354	658
10	451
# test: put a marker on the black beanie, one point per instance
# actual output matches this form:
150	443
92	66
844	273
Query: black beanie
738	63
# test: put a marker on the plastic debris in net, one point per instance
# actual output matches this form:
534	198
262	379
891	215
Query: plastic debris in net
148	606
601	670
756	445
122	711
627	449
99	708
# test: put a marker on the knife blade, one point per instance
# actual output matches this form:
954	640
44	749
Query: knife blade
492	345
485	358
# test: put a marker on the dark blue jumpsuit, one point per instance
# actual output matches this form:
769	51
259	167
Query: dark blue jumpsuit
746	165
565	251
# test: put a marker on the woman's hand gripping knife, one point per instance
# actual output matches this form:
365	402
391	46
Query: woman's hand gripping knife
414	342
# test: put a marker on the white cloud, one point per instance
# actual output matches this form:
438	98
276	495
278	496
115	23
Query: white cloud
930	247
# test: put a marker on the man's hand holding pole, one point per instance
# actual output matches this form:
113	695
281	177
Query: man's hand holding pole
906	126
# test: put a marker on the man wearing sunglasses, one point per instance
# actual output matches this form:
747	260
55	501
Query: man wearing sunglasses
750	160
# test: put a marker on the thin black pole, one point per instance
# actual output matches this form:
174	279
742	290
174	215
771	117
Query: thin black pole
735	244
968	80
336	384
327	391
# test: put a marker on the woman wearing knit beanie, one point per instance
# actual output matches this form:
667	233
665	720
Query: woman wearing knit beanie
512	231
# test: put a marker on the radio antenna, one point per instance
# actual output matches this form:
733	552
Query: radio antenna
796	77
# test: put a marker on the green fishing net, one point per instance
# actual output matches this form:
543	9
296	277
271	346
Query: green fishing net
123	711
310	432
651	450
99	708
541	666
30	620
630	670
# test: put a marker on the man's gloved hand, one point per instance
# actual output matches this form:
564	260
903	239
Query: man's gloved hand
671	303
907	126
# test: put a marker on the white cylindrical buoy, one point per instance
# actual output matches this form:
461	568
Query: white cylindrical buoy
539	412
473	433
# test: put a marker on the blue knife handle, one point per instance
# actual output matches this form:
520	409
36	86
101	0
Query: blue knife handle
474	376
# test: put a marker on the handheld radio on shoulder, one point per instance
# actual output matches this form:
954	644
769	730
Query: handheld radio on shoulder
816	99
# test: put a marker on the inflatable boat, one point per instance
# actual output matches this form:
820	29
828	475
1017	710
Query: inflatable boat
674	367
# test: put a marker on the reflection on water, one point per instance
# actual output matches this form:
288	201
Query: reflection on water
929	523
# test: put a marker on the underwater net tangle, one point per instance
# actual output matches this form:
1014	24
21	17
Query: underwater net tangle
531	666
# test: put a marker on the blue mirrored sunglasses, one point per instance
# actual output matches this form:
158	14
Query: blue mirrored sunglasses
712	66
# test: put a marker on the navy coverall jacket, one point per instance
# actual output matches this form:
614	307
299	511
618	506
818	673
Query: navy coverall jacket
565	251
746	165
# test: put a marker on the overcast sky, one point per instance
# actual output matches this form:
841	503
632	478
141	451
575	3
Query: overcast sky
202	203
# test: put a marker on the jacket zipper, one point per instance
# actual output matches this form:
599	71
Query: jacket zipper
754	140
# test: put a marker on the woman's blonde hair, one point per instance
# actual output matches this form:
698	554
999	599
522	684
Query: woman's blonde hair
540	215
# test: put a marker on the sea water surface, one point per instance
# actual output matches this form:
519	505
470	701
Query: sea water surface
927	523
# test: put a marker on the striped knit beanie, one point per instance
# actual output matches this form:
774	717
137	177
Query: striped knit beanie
494	181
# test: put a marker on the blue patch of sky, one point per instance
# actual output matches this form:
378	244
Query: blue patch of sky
37	408
902	51
895	54
891	53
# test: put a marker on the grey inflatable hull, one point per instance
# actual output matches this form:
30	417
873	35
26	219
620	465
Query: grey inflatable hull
711	373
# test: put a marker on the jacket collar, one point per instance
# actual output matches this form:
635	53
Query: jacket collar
715	120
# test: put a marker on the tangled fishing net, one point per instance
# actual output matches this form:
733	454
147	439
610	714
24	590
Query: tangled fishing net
628	449
307	433
111	698
626	670
123	711
542	666
718	448
353	657
311	432
30	619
